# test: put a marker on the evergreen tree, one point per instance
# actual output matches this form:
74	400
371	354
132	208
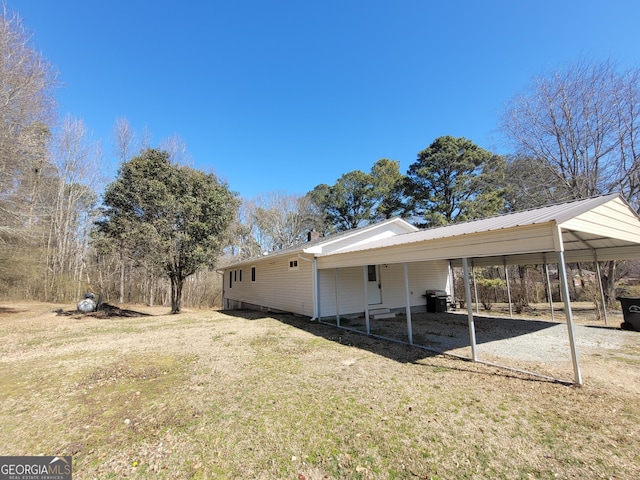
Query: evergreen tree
171	215
454	180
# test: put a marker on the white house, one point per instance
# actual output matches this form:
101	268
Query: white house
391	264
290	280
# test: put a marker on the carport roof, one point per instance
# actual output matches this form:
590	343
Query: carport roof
604	225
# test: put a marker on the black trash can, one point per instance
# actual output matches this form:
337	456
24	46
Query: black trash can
630	313
436	301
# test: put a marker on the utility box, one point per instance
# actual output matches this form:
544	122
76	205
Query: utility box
436	301
630	313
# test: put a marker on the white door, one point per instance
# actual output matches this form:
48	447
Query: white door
374	287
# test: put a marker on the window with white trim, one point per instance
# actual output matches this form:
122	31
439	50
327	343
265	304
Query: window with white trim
293	264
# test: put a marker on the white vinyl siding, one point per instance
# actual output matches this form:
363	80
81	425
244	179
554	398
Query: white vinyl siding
620	222
277	287
350	291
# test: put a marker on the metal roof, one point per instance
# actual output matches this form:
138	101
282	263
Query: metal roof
605	223
311	246
615	225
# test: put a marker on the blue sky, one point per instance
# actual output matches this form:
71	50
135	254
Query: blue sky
285	95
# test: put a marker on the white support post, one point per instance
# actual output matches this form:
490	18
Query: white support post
337	300
604	306
549	293
570	328
316	290
472	328
366	299
452	284
408	293
475	286
506	276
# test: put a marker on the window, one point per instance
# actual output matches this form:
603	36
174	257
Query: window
293	264
241	275
235	275
371	273
253	274
230	279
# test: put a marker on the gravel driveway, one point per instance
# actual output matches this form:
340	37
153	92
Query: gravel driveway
529	340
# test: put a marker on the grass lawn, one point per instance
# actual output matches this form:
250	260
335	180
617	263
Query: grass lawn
205	394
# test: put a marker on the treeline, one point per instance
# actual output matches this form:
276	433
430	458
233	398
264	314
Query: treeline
63	231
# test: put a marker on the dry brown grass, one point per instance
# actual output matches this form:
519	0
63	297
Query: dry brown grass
204	394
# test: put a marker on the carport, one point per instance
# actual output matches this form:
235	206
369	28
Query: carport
597	229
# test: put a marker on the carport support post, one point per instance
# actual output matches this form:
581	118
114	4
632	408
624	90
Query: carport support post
337	303
475	286
406	287
472	328
452	281
506	277
567	307
316	289
366	299
549	294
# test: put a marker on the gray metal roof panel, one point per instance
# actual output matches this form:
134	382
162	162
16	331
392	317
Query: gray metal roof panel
558	213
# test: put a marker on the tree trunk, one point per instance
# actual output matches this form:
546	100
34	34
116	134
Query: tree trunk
152	285
524	299
176	293
608	275
121	299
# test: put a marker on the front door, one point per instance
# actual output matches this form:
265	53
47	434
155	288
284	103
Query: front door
374	287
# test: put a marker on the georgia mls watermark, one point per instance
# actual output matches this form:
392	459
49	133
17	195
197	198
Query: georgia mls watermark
35	468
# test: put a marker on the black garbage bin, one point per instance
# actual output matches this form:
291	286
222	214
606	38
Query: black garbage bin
630	313
436	301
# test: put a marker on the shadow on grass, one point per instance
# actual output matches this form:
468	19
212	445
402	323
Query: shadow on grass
395	351
10	311
398	349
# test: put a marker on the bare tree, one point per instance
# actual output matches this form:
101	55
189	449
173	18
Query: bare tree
123	136
244	238
531	184
582	122
27	110
581	125
176	147
72	201
27	113
146	139
283	220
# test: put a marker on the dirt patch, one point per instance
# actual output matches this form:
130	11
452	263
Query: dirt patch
104	310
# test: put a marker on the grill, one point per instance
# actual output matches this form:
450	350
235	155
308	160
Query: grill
436	301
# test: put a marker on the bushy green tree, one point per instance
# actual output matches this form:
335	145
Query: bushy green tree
358	198
348	203
387	183
454	180
172	215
